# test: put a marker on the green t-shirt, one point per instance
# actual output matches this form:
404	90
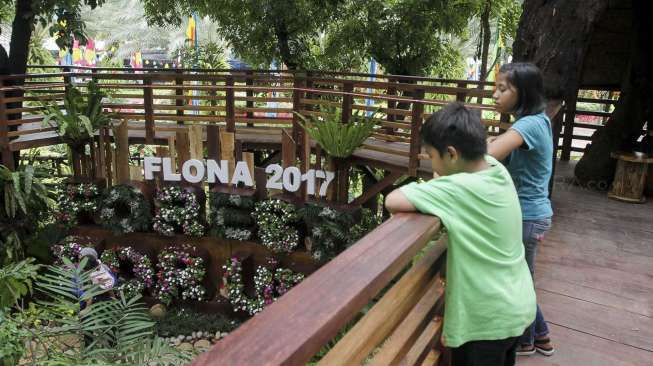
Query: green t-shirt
489	293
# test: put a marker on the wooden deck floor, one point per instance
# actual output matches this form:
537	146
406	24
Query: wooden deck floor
594	280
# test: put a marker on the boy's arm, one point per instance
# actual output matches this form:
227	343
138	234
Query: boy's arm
397	202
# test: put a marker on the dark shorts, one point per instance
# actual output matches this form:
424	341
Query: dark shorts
485	353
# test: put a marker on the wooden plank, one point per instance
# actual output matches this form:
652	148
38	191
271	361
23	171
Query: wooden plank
578	348
149	113
248	158
196	142
213	142
372	191
347	101
396	347
172	150
425	343
182	147
432	358
389	312
179	102
230	104
315	310
122	153
136	173
415	129
227	149
6	155
288	150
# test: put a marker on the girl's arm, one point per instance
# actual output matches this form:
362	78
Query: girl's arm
397	202
504	144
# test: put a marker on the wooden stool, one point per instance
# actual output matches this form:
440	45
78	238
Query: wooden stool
630	177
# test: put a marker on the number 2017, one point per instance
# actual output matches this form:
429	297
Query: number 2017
291	179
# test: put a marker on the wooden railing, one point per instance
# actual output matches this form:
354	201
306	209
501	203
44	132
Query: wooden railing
402	327
156	101
585	115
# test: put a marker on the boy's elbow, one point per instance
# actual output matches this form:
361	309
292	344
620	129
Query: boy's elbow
397	202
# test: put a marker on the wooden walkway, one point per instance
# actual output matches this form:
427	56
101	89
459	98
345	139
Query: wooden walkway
594	279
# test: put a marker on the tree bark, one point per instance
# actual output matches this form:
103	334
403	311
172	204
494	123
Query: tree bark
21	32
634	108
487	34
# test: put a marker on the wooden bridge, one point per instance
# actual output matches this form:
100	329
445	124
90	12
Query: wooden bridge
594	270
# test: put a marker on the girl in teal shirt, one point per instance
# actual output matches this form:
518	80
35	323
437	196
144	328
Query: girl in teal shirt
527	148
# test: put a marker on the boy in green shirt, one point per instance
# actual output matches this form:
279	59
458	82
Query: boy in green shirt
489	299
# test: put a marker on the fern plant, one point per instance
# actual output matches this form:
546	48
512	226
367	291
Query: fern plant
24	200
116	331
16	281
338	139
81	116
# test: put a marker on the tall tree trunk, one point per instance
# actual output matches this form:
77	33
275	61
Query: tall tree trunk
634	108
283	42
487	34
21	32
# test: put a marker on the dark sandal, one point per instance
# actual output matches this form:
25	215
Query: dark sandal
525	350
544	346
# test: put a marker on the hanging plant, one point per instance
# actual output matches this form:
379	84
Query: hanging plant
82	118
134	269
125	210
275	220
338	139
270	282
69	249
178	211
179	274
77	200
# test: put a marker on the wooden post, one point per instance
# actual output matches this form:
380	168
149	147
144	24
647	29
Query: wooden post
288	149
415	128
460	96
230	105
227	149
250	103
172	150
179	92
568	133
149	109
6	157
122	153
109	153
213	142
630	177
392	104
101	153
347	101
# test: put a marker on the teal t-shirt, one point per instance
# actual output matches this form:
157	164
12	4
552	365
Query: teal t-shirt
530	166
489	293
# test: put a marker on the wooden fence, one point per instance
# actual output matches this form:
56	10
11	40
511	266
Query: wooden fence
402	327
259	103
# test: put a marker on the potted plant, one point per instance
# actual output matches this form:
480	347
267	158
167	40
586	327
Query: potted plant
81	117
338	139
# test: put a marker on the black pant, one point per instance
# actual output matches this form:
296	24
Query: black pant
485	353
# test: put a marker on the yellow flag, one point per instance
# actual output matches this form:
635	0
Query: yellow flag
190	30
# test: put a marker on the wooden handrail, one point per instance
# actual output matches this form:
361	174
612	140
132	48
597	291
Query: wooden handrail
294	328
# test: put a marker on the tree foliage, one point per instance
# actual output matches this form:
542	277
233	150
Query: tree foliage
257	31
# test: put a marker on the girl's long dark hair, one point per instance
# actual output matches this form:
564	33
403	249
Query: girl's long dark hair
527	79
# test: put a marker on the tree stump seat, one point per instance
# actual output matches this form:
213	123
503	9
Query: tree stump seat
630	176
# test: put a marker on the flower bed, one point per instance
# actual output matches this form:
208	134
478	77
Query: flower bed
179	275
178	211
125	210
134	269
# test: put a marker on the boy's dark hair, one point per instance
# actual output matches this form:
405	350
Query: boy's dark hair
527	79
454	125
